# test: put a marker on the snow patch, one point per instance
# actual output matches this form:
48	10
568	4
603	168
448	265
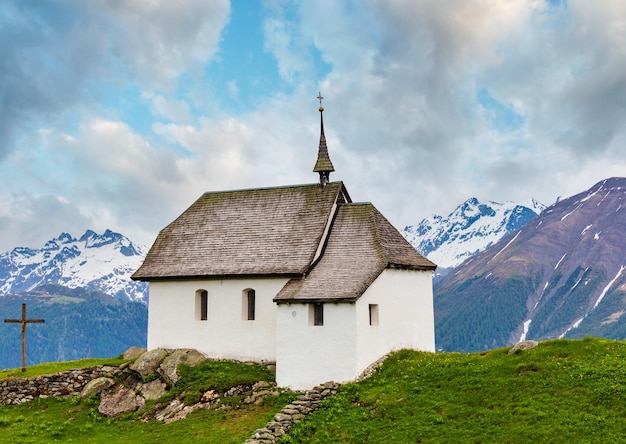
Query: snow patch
541	295
605	196
571	212
559	262
574	325
590	195
619	273
526	327
509	243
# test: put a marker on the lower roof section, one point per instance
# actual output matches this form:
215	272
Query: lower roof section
361	244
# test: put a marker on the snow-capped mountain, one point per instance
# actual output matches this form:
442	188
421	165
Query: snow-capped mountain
561	275
95	262
469	229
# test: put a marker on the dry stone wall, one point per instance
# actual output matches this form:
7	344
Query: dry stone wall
65	384
293	413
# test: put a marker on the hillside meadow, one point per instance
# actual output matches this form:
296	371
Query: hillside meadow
560	391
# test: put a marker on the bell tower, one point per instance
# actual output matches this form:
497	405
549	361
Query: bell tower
323	166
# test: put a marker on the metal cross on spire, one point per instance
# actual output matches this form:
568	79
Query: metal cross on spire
320	98
24	321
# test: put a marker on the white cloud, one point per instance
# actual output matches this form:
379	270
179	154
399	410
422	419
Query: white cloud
28	220
174	110
404	121
160	39
63	58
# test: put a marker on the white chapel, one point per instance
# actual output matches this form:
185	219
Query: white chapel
298	275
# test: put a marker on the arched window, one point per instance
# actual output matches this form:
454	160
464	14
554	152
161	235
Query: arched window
249	304
202	305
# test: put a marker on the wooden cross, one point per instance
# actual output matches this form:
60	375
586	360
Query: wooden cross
24	321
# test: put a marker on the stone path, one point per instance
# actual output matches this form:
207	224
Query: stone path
292	413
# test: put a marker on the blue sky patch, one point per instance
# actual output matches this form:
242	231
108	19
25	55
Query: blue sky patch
501	116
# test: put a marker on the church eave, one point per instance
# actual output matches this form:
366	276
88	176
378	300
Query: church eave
216	276
412	267
349	300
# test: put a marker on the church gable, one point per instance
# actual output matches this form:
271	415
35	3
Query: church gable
362	243
267	231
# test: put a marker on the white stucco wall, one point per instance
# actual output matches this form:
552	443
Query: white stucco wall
173	323
305	354
405	315
346	344
308	355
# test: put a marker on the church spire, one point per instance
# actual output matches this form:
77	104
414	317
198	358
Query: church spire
323	166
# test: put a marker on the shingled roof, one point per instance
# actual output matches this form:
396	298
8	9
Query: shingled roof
266	231
362	243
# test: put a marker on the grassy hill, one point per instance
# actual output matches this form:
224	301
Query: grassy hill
561	391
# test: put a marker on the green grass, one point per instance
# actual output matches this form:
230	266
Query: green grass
54	420
70	421
561	391
56	367
219	376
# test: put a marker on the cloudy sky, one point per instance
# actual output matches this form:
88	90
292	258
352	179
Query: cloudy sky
119	113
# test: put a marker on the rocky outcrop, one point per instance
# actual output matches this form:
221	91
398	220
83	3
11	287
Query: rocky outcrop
131	392
524	345
211	399
153	390
133	353
147	363
118	400
96	386
168	368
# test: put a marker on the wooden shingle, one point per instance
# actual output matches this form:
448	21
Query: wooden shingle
362	243
266	231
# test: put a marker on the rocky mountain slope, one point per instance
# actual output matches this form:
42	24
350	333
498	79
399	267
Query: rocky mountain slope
562	274
470	228
99	262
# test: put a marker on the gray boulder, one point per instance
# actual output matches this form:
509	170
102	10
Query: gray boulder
169	367
119	400
153	389
524	345
96	386
147	363
133	353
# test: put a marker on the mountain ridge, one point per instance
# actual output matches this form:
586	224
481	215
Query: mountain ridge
561	275
470	228
101	262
